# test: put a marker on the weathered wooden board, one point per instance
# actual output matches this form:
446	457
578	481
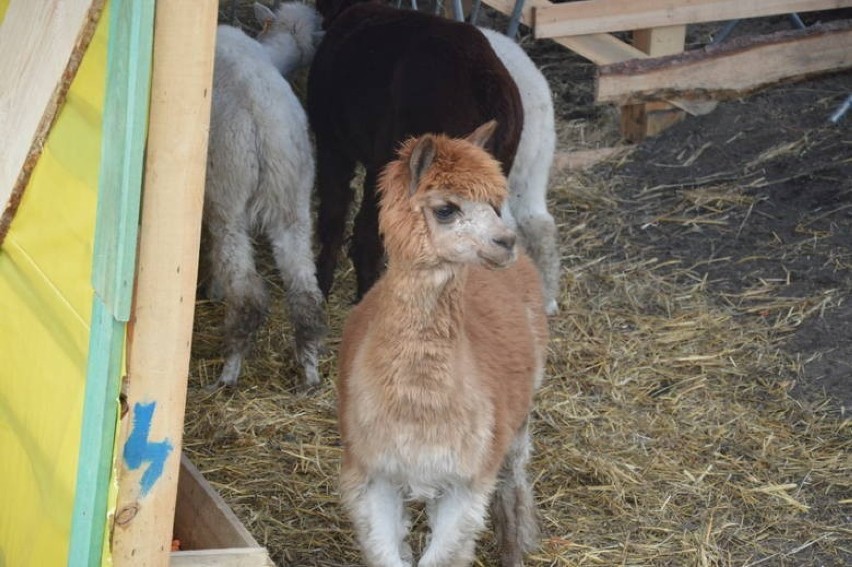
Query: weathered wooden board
601	48
237	557
731	69
34	77
602	16
210	533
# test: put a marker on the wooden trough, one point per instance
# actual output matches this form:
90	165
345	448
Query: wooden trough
208	531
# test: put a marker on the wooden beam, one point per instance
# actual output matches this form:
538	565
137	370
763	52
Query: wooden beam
657	42
731	69
642	120
160	330
35	75
236	557
603	16
601	48
202	518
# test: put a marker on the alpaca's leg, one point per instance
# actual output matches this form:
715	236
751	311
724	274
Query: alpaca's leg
513	506
455	519
246	300
538	232
295	261
367	252
207	287
381	523
334	173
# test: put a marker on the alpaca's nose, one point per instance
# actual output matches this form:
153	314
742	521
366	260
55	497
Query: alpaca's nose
506	241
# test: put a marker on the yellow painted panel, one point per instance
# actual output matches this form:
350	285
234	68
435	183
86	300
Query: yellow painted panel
45	306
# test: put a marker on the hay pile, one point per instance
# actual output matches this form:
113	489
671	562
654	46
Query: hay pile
665	433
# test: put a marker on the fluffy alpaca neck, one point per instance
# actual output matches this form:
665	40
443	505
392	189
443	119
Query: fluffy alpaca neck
418	339
425	298
420	323
285	52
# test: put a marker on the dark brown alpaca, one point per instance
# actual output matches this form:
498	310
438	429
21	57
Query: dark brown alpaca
380	76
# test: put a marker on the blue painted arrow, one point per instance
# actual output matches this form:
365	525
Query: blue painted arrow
138	450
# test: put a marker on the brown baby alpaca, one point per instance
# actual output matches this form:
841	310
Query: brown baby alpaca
439	364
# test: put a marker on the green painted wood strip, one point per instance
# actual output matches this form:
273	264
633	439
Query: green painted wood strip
125	131
125	122
98	439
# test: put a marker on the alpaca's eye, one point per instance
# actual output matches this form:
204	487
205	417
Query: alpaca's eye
445	213
498	210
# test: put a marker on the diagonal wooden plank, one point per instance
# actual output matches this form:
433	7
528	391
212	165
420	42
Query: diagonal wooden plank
604	16
202	518
34	77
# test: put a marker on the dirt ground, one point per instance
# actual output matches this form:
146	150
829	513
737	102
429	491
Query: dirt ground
700	368
793	227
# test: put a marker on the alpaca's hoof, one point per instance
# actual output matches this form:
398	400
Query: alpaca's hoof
230	373
312	378
552	308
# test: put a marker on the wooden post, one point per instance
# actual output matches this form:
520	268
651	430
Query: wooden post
160	330
647	119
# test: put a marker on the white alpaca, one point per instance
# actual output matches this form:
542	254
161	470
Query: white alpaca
290	36
439	363
260	175
531	170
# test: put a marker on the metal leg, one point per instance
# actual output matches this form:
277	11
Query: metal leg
458	11
515	19
474	11
232	12
729	27
796	21
841	110
725	32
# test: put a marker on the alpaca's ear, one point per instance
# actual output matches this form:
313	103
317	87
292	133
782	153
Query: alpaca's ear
263	15
482	135
422	156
